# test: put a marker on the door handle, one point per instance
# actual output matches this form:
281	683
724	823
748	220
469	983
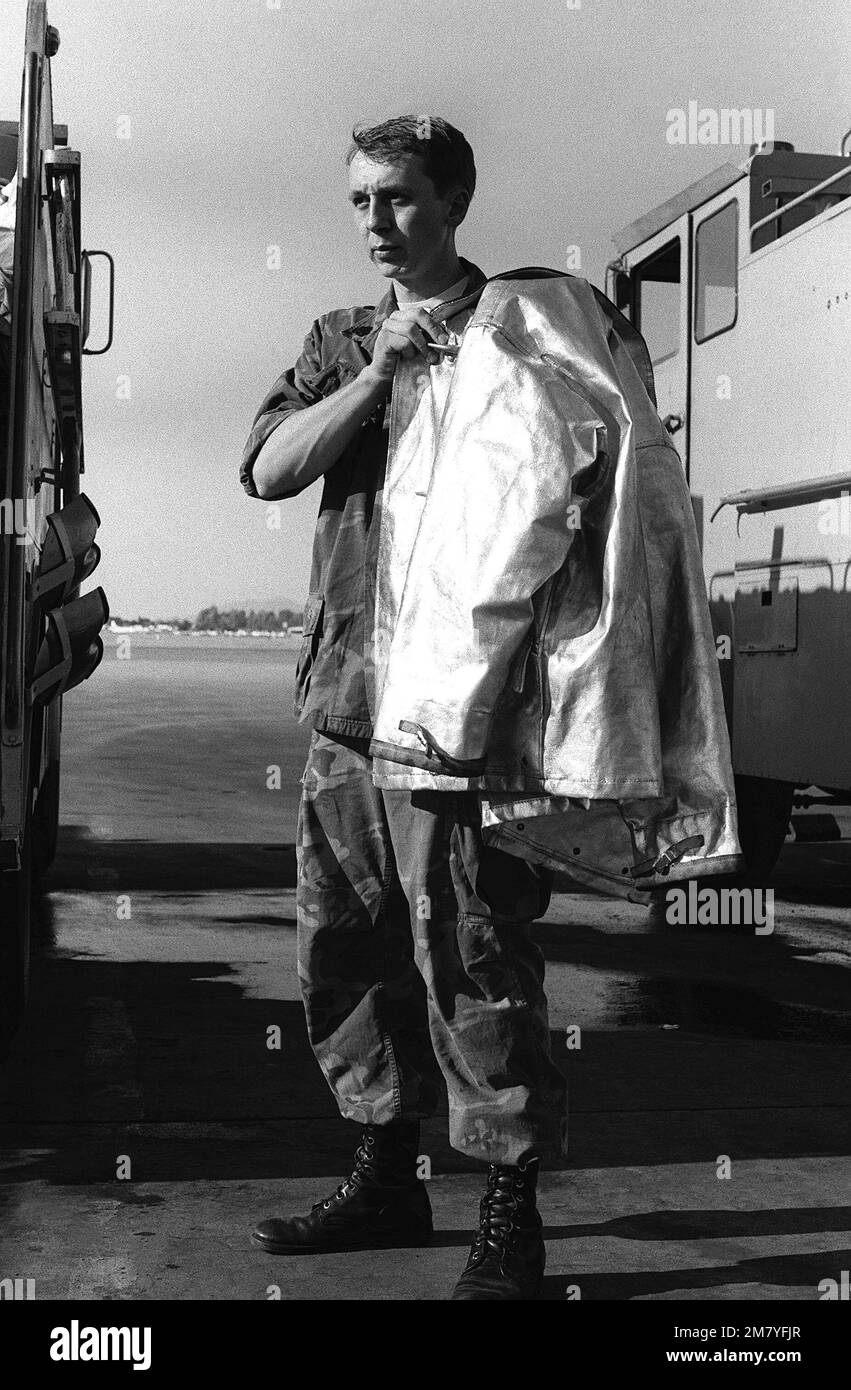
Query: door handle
88	256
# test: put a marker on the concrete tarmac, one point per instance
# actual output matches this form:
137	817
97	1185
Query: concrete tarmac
145	1124
146	1054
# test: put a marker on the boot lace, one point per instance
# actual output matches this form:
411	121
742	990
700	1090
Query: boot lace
504	1200
363	1171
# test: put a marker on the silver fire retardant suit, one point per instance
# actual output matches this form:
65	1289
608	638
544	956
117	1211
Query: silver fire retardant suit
542	634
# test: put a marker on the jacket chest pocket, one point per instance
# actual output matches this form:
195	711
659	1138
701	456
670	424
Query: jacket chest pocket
314	611
324	382
329	379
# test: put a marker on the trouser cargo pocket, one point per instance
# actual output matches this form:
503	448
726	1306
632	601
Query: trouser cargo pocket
506	887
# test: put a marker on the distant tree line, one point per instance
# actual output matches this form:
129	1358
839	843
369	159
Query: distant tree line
182	624
215	619
254	620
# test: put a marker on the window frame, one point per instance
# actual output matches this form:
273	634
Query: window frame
734	203
639	281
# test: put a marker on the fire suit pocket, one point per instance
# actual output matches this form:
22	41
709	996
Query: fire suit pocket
517	674
312	633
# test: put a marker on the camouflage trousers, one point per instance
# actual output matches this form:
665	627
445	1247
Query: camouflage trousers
415	959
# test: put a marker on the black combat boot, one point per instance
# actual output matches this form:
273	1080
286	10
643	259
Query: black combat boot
382	1204
507	1256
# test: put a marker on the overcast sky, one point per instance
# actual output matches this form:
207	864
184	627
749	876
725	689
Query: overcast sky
239	115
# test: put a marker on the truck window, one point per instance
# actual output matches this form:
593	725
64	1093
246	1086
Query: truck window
657	301
716	273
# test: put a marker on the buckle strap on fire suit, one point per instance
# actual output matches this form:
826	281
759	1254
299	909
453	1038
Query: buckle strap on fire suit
661	864
464	767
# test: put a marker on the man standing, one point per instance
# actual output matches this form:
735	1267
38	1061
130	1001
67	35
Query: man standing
388	989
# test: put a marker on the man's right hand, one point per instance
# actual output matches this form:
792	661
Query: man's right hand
308	442
405	333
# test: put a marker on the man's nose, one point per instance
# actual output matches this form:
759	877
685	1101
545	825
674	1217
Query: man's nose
377	215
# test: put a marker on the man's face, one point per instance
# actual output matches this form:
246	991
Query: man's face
405	224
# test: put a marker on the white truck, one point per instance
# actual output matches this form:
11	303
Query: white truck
741	286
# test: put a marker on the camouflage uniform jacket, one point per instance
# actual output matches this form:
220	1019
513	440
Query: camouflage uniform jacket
332	677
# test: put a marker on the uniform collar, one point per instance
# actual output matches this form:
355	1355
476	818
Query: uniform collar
365	330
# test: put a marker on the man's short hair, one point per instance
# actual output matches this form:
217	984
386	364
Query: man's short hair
445	153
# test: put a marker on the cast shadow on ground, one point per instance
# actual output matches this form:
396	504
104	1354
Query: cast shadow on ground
168	1060
805	1271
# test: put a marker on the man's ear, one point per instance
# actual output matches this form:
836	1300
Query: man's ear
459	202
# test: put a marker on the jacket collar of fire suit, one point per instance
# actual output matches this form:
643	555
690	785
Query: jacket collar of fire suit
630	336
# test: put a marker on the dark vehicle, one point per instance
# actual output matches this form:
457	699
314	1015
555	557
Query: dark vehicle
49	634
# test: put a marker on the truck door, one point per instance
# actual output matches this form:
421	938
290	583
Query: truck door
660	283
